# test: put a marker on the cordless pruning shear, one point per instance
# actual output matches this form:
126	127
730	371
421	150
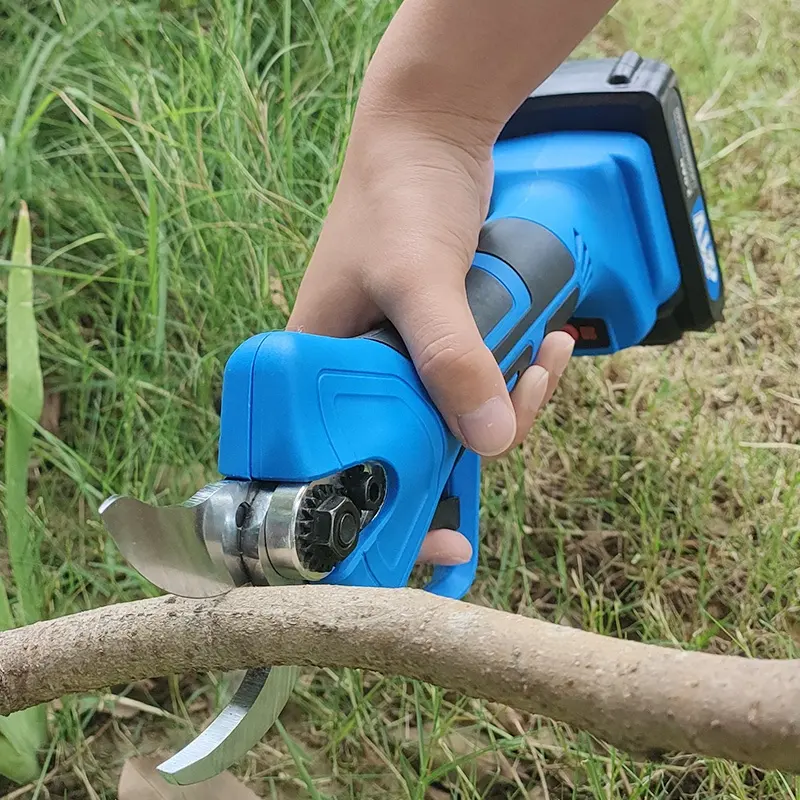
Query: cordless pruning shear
336	461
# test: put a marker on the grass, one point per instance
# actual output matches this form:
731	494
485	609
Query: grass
21	734
178	163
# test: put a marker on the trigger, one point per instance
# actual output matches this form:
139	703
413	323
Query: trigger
447	514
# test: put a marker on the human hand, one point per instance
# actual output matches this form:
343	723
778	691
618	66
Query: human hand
398	241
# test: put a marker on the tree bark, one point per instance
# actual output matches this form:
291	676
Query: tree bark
641	698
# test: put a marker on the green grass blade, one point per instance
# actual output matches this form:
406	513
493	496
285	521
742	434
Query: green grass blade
18	745
25	401
299	759
288	132
6	617
23	733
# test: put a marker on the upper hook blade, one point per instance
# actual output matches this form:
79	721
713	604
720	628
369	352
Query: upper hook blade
180	549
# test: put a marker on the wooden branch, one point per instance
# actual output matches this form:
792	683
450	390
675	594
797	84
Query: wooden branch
640	698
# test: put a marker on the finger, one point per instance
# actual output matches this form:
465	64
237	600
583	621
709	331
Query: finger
458	370
535	387
444	548
554	355
528	399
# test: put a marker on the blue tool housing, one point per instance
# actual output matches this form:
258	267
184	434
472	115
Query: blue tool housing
577	236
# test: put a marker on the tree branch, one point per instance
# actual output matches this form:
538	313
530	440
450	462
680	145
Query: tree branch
640	698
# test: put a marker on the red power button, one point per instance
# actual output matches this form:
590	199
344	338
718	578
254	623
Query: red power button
589	334
572	331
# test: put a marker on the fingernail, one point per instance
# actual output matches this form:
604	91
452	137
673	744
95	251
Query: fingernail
536	392
490	429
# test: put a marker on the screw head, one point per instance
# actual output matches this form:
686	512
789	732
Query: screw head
332	534
366	489
242	514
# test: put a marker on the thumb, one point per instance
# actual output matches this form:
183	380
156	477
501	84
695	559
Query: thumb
432	315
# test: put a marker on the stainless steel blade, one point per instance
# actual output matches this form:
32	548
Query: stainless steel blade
182	549
254	709
225	536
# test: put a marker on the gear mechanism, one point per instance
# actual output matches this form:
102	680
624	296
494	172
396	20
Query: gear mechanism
328	525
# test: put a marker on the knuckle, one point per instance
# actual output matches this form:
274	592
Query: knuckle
443	355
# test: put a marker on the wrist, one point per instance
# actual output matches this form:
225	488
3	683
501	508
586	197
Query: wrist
386	149
414	100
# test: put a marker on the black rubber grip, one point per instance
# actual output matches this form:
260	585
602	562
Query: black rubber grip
520	365
563	313
539	258
387	334
488	300
543	264
533	252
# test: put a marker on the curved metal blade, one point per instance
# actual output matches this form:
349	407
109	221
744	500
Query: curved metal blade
254	709
180	549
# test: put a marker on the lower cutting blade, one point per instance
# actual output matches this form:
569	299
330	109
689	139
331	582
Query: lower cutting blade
254	709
